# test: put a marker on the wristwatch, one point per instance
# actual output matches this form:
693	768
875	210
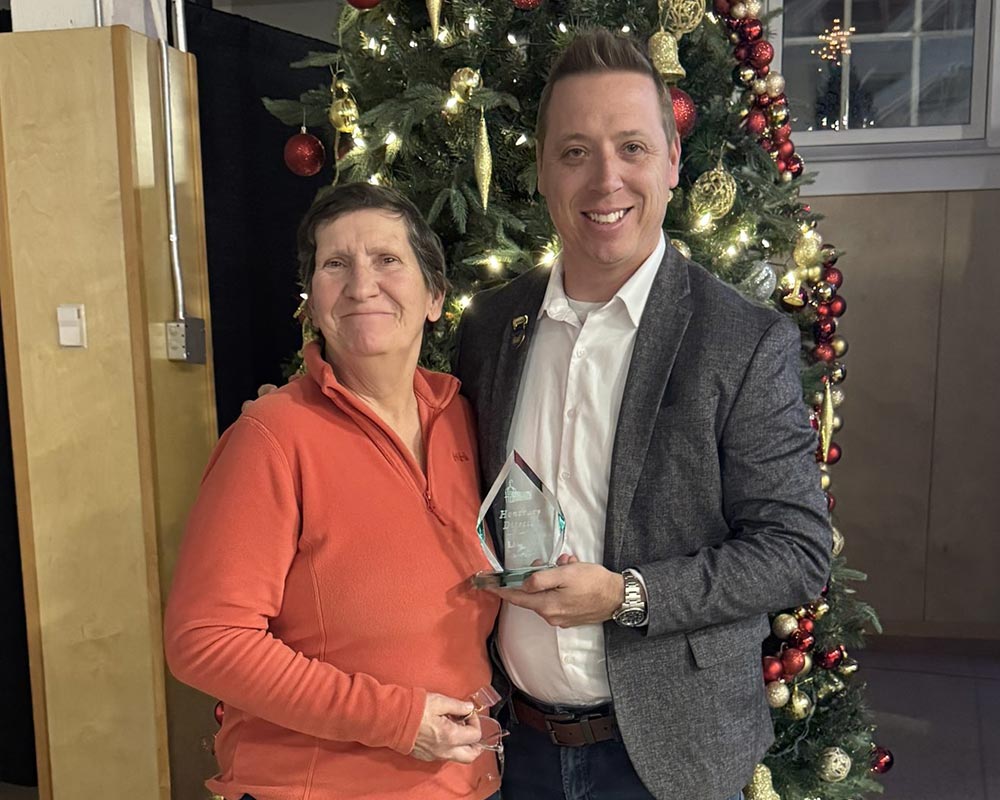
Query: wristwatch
632	612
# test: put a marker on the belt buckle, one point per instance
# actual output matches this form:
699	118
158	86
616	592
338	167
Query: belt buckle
583	721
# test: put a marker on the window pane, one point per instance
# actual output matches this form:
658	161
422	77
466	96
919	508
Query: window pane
810	17
949	15
946	80
881	16
803	73
880	84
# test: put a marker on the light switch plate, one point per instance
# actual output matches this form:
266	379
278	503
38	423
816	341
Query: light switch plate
72	322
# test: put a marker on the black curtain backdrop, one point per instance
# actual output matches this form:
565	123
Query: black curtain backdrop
252	202
17	732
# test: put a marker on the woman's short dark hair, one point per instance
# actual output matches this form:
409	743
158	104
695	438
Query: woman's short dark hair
339	200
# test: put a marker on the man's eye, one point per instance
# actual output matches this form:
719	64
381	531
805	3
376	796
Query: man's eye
333	264
633	148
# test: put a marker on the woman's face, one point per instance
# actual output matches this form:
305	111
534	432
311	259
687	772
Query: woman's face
368	296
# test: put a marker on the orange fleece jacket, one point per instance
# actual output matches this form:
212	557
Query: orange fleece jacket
321	591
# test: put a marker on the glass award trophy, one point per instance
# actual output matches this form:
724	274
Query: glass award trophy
526	521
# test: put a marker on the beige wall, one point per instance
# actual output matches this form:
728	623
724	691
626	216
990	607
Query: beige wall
918	488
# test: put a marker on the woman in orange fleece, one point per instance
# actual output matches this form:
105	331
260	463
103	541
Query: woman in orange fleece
322	588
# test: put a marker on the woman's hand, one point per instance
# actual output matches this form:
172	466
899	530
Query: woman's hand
449	731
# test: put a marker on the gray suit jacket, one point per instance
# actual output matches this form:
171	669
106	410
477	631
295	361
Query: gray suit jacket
714	498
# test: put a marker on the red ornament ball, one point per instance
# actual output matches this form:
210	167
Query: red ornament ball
756	122
823	310
833	454
824	328
721	7
304	154
830	659
795	164
762	71
882	760
751	30
801	640
834	277
806	624
838	305
793	661
773	668
781	165
527	5
766	144
364	5
786	150
831	502
762	100
685	113
761	53
782	132
220	712
741	53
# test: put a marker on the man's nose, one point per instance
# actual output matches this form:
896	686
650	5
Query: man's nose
607	176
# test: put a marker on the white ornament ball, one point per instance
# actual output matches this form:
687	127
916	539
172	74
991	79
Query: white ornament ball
775	83
753	8
777	693
835	765
738	10
784	625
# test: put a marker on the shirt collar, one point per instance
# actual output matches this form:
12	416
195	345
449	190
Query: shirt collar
633	293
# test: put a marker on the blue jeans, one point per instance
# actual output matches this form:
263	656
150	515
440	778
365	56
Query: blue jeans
537	769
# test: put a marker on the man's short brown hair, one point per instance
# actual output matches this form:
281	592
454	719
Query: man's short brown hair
597	51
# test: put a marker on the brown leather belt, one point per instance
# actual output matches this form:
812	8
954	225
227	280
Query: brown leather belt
568	729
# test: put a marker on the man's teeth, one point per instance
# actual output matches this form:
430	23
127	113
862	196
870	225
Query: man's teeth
606	219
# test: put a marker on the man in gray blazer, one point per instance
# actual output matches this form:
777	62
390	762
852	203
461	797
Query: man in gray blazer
665	412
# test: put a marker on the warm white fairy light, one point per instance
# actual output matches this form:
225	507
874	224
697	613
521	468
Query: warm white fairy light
444	36
391	138
463	301
373	43
563	28
522	139
472	23
626	28
765	243
836	43
382	50
359	142
303	295
549	254
731	250
493	263
390	19
703	222
375	180
413	43
744	237
511	38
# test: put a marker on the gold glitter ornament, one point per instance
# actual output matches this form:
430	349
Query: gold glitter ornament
774	84
464	81
681	247
761	787
434	12
784	625
834	765
777	693
713	193
799	705
344	114
663	54
684	16
826	422
483	161
807	249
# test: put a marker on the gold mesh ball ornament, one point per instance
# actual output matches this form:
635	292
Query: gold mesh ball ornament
684	16
713	193
761	787
663	54
464	81
834	765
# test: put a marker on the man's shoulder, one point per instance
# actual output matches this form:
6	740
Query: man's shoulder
501	303
717	298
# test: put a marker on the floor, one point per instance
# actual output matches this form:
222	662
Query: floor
937	705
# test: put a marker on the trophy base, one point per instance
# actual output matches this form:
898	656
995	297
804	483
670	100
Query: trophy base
507	579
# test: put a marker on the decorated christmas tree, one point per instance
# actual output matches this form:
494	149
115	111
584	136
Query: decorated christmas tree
438	99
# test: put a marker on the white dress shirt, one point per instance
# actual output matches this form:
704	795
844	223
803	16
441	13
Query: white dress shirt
564	426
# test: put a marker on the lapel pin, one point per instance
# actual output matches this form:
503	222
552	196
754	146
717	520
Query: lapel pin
519	329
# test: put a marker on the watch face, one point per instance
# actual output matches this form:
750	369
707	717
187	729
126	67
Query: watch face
630	618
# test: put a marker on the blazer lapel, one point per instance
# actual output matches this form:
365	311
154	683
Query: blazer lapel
518	328
661	330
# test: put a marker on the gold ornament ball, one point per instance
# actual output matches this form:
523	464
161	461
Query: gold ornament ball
839	345
807	665
801	612
681	247
838	397
838	542
778	694
753	9
761	786
738	10
463	81
784	625
759	86
713	193
807	250
838	423
774	84
684	16
799	705
344	114
778	114
825	481
746	76
834	765
848	666
819	609
823	292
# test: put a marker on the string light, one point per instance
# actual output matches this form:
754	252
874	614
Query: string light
744	237
391	138
373	44
836	43
390	19
303	295
522	139
703	222
625	28
511	38
444	36
375	180
359	142
563	28
765	243
463	301
493	262
472	24
413	43
731	250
